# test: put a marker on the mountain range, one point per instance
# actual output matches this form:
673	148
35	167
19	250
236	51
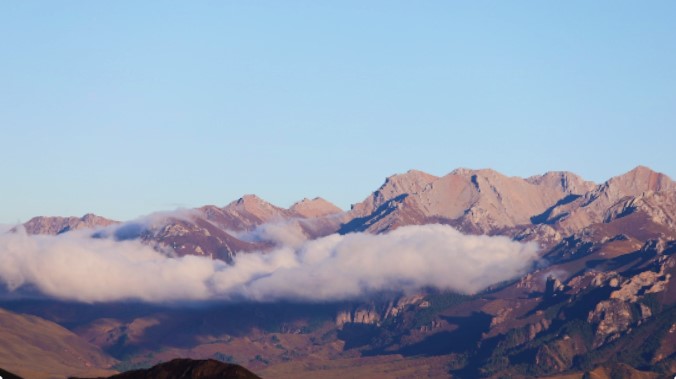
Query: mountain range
599	302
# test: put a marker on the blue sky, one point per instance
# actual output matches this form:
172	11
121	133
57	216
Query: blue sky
122	108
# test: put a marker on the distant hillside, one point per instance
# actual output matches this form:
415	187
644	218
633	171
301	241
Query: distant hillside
36	348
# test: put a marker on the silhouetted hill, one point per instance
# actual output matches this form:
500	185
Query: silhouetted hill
8	375
190	369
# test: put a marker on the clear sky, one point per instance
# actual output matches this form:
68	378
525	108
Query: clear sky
122	108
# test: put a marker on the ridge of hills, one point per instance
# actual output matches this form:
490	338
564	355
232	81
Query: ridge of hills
546	208
603	305
474	201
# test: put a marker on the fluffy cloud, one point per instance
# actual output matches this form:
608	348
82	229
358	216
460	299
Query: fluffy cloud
74	266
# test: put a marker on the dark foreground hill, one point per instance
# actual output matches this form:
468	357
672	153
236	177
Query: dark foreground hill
190	369
8	375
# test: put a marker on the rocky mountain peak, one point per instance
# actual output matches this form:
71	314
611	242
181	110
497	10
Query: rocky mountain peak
638	180
633	183
254	205
317	207
249	211
413	181
250	200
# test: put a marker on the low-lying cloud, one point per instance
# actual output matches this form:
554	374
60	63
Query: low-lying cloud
288	233
74	266
5	227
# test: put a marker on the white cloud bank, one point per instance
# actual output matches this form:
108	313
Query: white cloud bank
73	266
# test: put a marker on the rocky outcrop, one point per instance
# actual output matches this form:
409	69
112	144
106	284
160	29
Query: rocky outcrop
360	315
370	314
644	282
622	310
544	235
538	327
612	317
395	308
553	288
558	355
660	207
610	278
